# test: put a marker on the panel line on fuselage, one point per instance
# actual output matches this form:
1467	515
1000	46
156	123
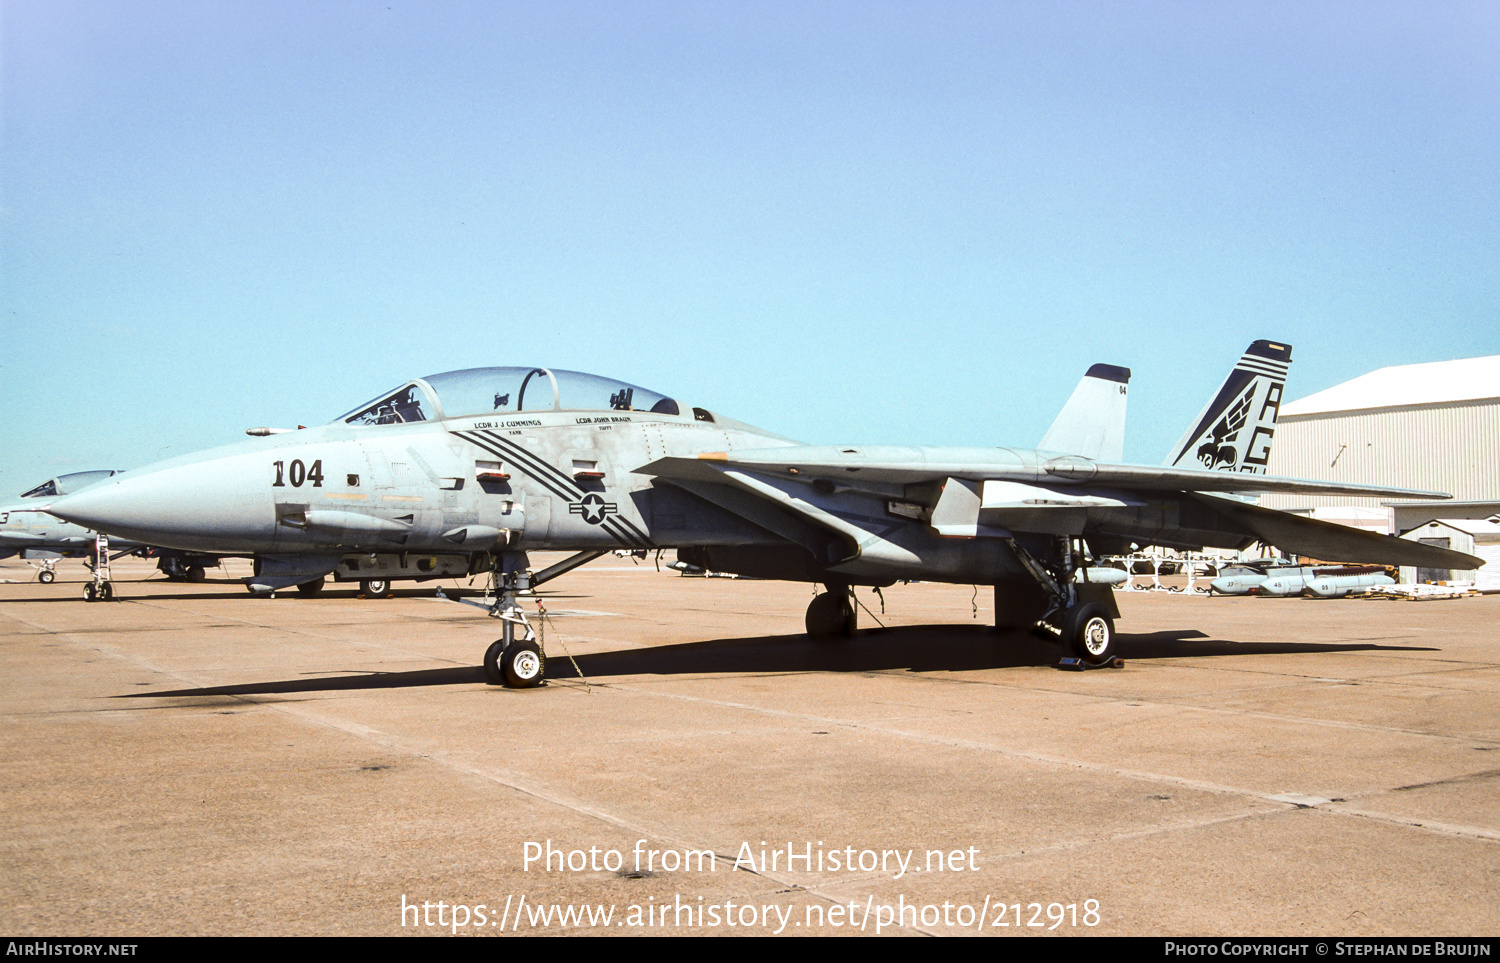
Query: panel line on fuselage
556	481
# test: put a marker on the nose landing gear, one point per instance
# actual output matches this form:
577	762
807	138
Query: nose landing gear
519	664
100	590
515	659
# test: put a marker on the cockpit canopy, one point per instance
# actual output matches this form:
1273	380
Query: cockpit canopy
482	391
67	484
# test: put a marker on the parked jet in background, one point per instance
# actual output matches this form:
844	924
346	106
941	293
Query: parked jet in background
493	462
27	529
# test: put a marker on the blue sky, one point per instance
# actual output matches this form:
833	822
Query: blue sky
911	223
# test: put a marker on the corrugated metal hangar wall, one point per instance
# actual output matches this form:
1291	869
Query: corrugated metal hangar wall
1429	426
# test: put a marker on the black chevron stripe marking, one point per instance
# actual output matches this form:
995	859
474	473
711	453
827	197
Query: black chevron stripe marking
505	456
635	532
514	457
554	480
538	466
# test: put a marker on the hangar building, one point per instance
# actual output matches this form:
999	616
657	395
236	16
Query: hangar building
1432	426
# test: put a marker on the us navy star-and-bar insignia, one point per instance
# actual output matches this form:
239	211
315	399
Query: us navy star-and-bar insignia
593	508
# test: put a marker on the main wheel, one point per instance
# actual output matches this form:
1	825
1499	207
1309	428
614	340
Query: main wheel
377	588
46	577
1090	633
310	589
195	573
831	615
523	664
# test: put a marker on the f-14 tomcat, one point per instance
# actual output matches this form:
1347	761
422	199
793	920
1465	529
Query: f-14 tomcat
28	530
489	463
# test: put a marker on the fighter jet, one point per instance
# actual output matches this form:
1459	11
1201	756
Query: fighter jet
29	530
26	529
491	463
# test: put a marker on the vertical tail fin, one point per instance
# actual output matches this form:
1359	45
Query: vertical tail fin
1092	423
1234	432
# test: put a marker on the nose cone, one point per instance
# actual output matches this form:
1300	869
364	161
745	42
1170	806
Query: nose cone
217	504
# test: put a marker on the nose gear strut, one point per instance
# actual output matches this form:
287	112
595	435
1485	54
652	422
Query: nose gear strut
516	659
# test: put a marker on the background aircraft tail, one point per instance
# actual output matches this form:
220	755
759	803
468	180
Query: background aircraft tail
1092	423
1234	432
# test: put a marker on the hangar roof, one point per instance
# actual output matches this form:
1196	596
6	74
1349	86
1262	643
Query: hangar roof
1437	382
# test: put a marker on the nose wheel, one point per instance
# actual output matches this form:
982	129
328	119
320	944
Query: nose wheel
514	660
519	665
99	590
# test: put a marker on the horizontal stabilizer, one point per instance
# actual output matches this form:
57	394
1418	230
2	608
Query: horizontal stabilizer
1331	542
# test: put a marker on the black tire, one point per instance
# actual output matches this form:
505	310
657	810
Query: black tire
492	673
195	573
311	589
831	615
46	577
1089	633
523	665
106	591
89	593
375	588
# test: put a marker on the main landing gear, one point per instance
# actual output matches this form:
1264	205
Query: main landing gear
833	615
178	569
1080	616
1089	632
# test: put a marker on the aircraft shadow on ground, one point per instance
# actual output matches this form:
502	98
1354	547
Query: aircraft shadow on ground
921	648
137	593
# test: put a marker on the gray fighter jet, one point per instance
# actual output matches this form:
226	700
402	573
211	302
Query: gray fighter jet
27	529
489	463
